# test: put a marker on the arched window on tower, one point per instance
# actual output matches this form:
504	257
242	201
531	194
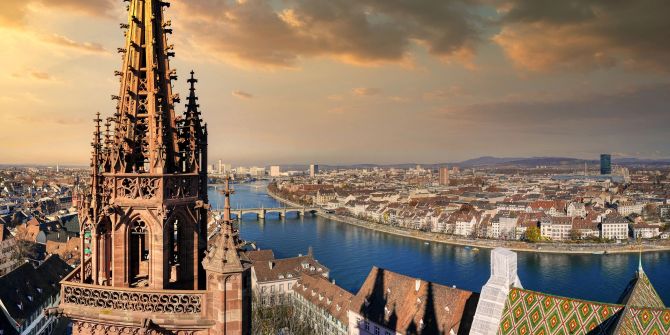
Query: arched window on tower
139	254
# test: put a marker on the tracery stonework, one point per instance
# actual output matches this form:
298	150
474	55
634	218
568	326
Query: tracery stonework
146	264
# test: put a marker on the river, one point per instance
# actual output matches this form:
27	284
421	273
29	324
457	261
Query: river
350	252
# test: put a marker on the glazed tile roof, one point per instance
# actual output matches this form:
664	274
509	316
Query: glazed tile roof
529	312
644	311
641	293
652	321
640	311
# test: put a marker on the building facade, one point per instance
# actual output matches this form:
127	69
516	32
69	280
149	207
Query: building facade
313	170
273	280
614	227
605	164
444	176
322	304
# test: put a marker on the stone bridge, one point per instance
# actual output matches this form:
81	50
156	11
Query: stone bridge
262	212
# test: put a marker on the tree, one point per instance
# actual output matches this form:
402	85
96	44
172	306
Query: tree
277	319
575	234
533	234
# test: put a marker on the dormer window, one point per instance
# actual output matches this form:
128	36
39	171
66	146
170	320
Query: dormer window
39	290
20	306
30	298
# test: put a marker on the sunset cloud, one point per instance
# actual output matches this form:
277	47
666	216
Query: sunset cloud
361	32
547	35
69	43
242	95
33	74
13	13
366	91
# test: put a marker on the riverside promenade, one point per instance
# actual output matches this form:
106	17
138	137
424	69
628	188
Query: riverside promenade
542	247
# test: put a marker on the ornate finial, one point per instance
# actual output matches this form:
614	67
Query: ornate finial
226	208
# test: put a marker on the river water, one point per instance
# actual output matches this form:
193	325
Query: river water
350	252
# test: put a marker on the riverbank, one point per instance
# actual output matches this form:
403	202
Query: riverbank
556	248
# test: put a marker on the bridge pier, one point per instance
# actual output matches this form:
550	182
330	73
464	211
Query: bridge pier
261	214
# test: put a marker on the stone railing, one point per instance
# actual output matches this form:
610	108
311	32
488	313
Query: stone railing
75	276
130	186
132	300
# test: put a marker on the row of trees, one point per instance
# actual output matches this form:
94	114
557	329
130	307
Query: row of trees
282	319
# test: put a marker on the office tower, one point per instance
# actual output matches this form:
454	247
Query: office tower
605	164
444	176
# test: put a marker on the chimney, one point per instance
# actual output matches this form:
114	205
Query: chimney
310	252
417	284
271	264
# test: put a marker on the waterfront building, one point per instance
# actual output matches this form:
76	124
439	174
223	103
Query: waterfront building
389	303
556	228
26	292
322	304
585	228
273	280
146	209
605	164
313	170
614	227
275	171
444	176
324	196
645	230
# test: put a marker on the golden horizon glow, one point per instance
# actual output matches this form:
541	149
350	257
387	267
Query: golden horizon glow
355	81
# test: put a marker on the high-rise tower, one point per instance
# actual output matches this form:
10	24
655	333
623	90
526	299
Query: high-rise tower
605	164
146	212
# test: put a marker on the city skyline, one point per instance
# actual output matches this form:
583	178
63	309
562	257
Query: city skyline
372	82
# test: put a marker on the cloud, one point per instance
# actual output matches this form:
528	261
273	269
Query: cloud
242	95
366	91
13	13
445	93
546	35
33	74
69	43
363	32
621	113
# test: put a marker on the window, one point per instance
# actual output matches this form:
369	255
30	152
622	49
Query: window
366	325
376	330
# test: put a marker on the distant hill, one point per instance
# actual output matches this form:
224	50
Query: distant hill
490	161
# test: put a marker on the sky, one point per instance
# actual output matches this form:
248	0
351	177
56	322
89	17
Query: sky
355	81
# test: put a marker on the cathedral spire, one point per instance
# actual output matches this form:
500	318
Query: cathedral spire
145	128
